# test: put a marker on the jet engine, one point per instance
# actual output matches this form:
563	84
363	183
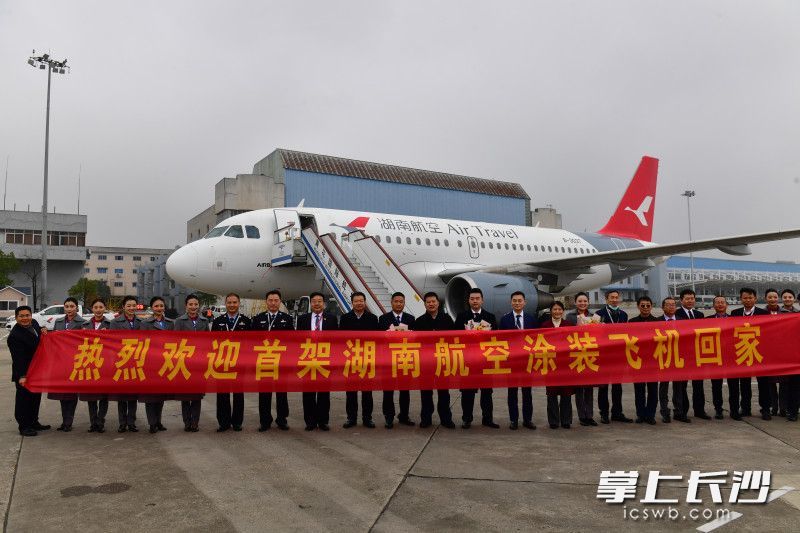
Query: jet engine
497	290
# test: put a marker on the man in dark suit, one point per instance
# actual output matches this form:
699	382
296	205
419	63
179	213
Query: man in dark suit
317	405
476	318
669	306
434	320
645	394
273	319
227	416
358	319
687	312
720	311
611	314
22	342
519	319
742	391
396	319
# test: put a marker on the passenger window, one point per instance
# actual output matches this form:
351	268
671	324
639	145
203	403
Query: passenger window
419	241
483	244
235	231
535	247
436	242
506	246
252	232
216	232
427	242
397	239
549	248
378	238
408	240
459	244
491	246
513	246
446	243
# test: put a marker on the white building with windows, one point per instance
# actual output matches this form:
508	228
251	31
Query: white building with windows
119	267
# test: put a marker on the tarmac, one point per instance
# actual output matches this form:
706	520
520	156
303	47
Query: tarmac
404	479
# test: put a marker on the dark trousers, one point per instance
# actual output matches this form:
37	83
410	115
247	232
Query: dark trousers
153	411
680	398
265	408
442	406
97	412
584	402
740	395
228	416
127	412
527	404
616	400
351	405
316	408
663	398
716	394
190	410
698	397
765	393
468	402
559	409
26	407
792	394
68	411
646	398
388	405
780	395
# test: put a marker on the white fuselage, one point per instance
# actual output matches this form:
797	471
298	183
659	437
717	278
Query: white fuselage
423	247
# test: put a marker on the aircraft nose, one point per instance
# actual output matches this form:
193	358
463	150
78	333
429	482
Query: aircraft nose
182	265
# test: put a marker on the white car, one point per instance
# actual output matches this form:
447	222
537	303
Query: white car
47	317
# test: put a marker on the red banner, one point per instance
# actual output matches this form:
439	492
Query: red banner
194	362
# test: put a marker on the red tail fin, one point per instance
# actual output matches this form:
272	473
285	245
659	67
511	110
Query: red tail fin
634	215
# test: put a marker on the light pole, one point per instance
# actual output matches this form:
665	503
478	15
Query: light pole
689	195
43	62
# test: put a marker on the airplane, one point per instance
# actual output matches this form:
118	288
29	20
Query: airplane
251	253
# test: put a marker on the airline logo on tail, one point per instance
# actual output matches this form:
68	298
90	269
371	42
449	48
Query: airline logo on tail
642	192
642	210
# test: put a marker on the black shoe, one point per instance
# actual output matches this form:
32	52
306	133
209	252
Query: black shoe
774	412
651	421
565	426
528	425
702	415
187	427
153	429
639	420
424	424
100	429
389	424
747	412
621	418
791	418
28	432
718	415
324	427
309	427
781	414
349	424
194	428
262	429
449	425
553	426
368	424
60	428
406	421
604	419
133	429
583	422
92	429
67	429
237	428
766	416
514	425
684	419
121	429
221	429
465	425
161	427
737	417
39	427
490	424
283	426
666	419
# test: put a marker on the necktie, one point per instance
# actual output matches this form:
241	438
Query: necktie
519	324
691	313
476	317
317	324
397	320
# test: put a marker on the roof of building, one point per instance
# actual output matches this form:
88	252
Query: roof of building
25	291
707	263
339	166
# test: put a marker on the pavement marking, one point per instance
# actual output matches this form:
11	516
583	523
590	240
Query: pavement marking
719	522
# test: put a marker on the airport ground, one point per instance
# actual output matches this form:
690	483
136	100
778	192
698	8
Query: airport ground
404	479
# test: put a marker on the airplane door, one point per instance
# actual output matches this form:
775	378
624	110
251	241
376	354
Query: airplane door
287	225
472	244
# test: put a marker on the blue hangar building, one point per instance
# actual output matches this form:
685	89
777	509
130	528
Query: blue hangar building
286	177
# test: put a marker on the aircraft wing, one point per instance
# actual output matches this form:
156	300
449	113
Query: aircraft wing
645	256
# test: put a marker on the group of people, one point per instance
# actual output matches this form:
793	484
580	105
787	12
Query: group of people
776	396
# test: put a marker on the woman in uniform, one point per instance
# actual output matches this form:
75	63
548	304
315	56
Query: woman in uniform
69	401
191	321
559	403
584	396
154	403
97	403
126	403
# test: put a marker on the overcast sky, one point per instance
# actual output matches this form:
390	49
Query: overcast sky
166	98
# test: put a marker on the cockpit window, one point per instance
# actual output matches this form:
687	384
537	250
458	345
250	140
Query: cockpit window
235	231
252	232
216	232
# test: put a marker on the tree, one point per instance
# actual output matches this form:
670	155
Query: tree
205	299
8	265
87	290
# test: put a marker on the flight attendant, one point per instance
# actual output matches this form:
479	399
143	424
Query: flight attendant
559	401
71	320
227	416
584	396
154	403
127	403
273	319
317	405
191	320
97	403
